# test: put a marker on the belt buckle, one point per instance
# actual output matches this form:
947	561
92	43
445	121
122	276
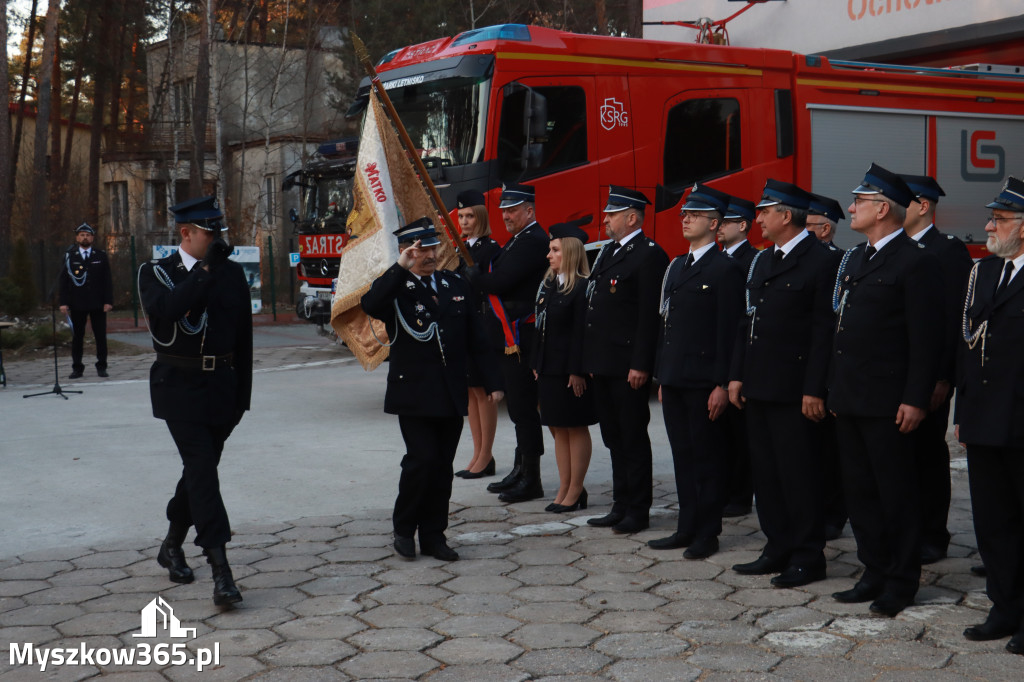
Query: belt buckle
209	363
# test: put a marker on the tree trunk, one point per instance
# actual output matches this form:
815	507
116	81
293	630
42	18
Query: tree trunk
40	183
201	104
54	171
25	73
5	153
73	113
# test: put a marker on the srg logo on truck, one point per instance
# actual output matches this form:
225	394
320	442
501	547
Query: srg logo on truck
980	162
614	114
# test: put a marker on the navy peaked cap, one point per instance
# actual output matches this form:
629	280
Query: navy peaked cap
923	186
203	212
85	227
1011	197
621	198
470	197
826	206
422	229
878	180
777	192
513	195
704	198
571	228
740	209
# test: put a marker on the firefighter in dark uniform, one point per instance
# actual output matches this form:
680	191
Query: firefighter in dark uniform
780	373
701	301
86	292
618	352
434	328
511	285
932	452
732	235
888	301
822	217
990	414
200	316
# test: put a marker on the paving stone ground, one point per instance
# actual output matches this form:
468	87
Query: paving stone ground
536	596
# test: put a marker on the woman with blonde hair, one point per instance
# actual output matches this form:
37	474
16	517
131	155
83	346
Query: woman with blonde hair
566	400
483	414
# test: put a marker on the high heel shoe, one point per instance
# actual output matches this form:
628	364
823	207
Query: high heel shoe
580	503
486	471
552	507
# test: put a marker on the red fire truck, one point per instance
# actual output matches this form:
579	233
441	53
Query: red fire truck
572	114
325	200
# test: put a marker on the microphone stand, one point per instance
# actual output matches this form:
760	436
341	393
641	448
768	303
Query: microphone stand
56	390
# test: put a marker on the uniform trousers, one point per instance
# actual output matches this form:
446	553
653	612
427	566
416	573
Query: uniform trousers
880	484
99	331
997	500
739	480
521	397
787	482
833	503
425	485
932	453
197	501
698	445
624	413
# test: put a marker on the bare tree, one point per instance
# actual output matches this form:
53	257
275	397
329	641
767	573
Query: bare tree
201	101
40	183
26	72
5	153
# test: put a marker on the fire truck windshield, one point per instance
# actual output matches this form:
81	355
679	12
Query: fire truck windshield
326	203
446	119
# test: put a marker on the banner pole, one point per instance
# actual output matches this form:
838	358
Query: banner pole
453	235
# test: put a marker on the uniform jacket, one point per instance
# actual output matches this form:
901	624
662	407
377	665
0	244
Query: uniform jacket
990	388
622	311
558	342
516	271
783	347
95	291
194	395
955	262
484	250
698	327
744	255
888	335
427	378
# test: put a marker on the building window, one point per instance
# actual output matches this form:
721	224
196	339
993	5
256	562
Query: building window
181	101
270	199
702	140
156	205
181	192
550	137
118	207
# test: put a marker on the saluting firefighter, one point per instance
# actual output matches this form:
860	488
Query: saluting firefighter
618	352
200	316
86	292
990	413
431	320
888	337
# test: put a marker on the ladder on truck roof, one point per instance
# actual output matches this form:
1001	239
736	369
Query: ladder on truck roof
967	71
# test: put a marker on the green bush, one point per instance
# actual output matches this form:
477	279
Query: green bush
35	335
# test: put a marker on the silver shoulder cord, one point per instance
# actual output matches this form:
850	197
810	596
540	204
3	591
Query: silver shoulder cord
592	284
839	303
972	336
751	310
541	322
664	303
77	281
186	326
424	336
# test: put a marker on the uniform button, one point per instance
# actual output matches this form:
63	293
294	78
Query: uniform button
985	359
755	338
984	381
842	328
839	352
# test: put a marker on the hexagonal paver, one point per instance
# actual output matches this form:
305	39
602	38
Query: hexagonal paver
238	642
552	612
639	621
682	590
409	594
476	626
331	605
770	597
89	576
35	570
685	570
793	618
68	594
117	559
645	671
641	645
613	563
550	593
231	668
482	567
294	562
395	639
807	643
475	650
476	673
100	624
346	585
547	575
539	557
46	614
307	652
18	588
562	662
289	674
717	632
624	601
733	658
320	627
553	636
276	579
389	664
476	604
900	655
403	616
872	628
618	582
248	617
419	575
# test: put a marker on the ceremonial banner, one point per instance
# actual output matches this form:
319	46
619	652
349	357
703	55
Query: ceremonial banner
388	195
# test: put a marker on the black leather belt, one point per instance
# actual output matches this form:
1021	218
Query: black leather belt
206	363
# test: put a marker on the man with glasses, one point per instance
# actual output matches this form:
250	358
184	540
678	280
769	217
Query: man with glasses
990	414
779	376
931	449
888	301
823	215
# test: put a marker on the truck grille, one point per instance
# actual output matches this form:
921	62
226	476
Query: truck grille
320	268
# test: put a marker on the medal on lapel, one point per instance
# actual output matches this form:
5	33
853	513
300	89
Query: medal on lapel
613	283
420	308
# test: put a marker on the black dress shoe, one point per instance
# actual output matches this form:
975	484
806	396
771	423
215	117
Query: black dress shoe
102	372
483	473
173	559
760	566
859	593
461	472
733	510
1016	644
832	532
674	541
508	482
405	547
551	507
930	554
889	605
75	374
702	548
979	570
631	524
439	550
989	630
580	503
225	592
606	521
798	576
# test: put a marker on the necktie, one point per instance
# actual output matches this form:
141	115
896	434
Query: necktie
869	252
428	281
779	255
688	262
1005	279
85	254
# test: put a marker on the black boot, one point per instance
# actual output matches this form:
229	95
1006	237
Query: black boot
528	487
511	480
172	557
224	590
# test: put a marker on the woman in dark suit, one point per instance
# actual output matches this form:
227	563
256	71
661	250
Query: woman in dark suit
566	401
483	414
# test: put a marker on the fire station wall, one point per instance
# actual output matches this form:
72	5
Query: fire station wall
845	143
